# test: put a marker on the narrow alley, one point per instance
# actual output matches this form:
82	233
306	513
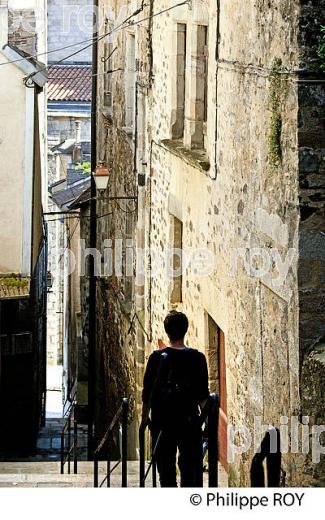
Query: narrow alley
162	259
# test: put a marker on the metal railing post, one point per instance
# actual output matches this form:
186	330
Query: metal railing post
95	471
125	414
142	432
270	449
62	453
108	471
213	435
154	473
75	444
69	444
122	413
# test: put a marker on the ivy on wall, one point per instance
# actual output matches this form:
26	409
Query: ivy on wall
277	91
320	51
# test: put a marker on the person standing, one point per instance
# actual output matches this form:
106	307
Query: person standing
175	389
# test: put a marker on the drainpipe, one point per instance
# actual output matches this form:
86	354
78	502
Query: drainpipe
217	70
92	343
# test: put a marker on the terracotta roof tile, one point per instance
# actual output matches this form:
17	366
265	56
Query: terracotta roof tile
69	83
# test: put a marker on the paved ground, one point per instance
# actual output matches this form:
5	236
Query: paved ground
47	474
49	444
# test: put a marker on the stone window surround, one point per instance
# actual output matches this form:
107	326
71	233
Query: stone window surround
108	65
130	81
192	125
176	241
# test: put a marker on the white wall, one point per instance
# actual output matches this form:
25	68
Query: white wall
12	166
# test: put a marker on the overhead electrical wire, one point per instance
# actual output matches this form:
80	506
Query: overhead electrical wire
122	25
70	217
83	77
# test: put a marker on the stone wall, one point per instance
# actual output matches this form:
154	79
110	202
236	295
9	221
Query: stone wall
56	233
116	329
22	30
311	137
237	198
62	125
70	24
223	209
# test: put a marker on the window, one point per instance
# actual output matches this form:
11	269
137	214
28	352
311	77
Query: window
217	381
15	344
198	108
201	108
108	66
177	281
178	126
5	347
130	82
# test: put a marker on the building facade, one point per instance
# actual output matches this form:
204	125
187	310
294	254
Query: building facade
23	257
69	136
211	115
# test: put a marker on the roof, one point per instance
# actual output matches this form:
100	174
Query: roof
70	83
36	69
13	287
73	195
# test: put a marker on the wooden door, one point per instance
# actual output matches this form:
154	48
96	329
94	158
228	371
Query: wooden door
218	381
223	422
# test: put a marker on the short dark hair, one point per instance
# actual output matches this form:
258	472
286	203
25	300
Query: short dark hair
176	325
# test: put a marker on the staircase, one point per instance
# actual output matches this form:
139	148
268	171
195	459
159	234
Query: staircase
47	474
43	469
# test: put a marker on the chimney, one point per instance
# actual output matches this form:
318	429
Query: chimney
3	23
76	155
78	132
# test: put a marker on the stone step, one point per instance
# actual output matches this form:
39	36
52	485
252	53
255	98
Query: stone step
47	474
48	468
53	480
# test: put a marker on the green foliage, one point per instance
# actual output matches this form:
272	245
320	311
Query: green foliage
85	166
277	90
275	140
320	51
14	282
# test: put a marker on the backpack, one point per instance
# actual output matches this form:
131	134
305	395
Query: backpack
171	397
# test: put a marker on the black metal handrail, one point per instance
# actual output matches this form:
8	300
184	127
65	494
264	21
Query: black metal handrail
71	450
210	413
269	450
70	399
121	415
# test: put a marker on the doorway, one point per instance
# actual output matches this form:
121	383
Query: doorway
216	357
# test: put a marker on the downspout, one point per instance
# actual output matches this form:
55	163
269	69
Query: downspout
217	70
150	51
136	139
28	182
93	242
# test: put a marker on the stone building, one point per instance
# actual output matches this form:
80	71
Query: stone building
70	26
23	255
68	133
213	118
